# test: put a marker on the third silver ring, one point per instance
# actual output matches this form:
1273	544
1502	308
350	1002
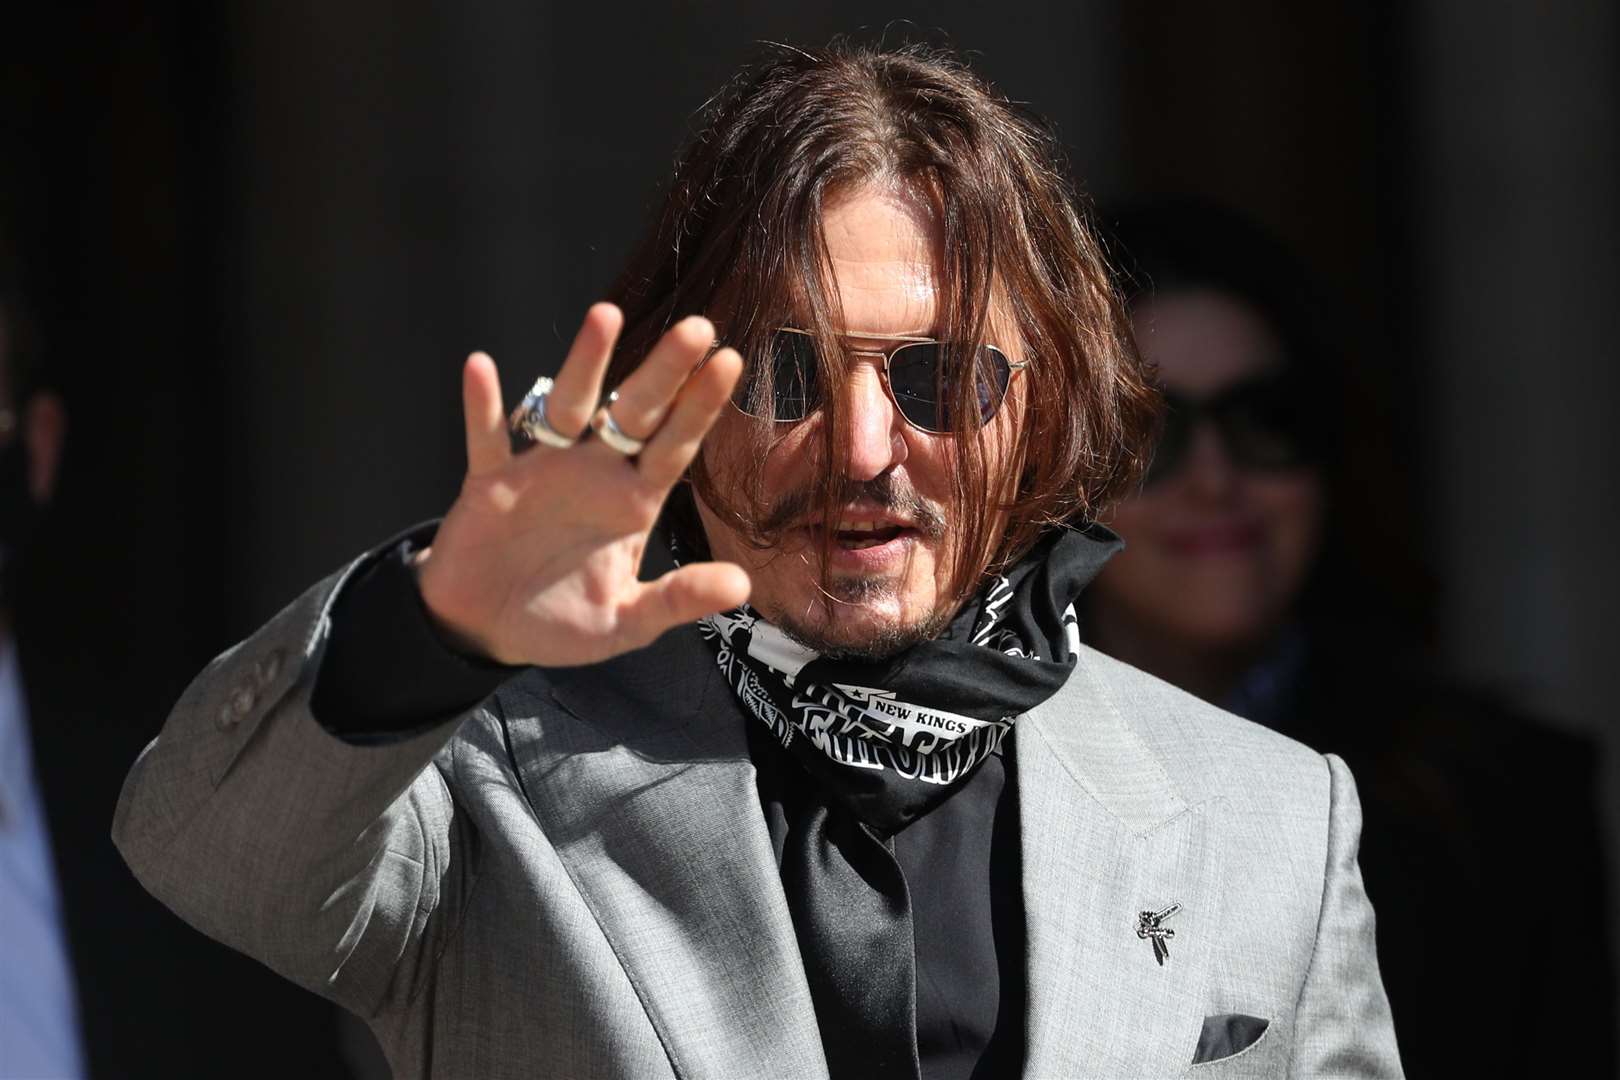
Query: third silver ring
612	435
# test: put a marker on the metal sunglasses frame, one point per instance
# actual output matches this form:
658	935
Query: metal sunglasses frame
901	342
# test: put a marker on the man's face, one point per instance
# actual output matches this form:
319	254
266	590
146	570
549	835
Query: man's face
891	563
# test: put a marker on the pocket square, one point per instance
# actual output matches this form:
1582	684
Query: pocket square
1227	1034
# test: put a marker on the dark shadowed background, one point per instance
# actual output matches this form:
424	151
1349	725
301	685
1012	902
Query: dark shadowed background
260	238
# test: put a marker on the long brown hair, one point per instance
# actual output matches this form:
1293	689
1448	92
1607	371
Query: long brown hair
740	239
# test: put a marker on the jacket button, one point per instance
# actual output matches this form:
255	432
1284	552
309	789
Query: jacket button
268	668
237	706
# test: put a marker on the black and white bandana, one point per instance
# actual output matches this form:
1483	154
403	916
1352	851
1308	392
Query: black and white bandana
891	738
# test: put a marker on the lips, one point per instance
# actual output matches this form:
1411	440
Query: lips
862	527
1216	538
864	539
855	535
875	553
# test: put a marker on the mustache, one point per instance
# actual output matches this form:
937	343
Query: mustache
894	494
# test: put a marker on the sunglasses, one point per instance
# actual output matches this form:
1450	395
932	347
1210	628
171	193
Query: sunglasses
1259	423
919	374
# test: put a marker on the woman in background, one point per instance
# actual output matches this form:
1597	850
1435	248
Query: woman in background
1268	569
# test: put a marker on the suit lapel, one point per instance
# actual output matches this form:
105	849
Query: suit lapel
652	806
1106	836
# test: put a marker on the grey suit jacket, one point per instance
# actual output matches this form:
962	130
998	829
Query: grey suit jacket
575	879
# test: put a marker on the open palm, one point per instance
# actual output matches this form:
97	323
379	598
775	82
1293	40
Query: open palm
536	562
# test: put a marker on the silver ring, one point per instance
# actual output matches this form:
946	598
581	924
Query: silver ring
612	435
530	418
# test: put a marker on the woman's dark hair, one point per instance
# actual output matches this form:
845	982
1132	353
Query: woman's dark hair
740	239
1178	246
1367	572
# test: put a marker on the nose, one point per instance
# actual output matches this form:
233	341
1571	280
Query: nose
1210	472
877	439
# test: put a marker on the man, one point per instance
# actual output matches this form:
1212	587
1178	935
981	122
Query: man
96	979
39	1011
840	794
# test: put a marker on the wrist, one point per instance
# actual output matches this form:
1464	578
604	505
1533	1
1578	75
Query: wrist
453	639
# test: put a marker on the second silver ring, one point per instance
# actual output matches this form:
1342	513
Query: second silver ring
612	435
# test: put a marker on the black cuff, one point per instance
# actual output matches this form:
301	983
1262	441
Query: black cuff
387	673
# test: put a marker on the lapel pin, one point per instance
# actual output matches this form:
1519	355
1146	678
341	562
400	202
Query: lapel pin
1150	927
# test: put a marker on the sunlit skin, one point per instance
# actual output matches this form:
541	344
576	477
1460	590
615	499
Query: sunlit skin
881	241
1216	554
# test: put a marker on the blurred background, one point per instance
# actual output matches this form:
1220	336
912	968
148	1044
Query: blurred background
257	240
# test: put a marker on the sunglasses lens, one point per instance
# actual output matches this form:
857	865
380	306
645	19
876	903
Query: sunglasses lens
923	378
1172	444
1258	422
1261	427
783	387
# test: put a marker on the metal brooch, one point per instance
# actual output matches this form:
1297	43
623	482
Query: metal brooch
1150	927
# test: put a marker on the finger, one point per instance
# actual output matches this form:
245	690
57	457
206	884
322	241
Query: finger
681	596
578	385
645	397
669	452
488	445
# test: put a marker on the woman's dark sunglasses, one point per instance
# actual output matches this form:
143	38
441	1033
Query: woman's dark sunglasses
919	373
1258	420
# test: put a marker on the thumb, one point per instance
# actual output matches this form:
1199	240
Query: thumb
682	596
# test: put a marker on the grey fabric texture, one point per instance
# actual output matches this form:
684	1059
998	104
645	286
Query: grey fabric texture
575	878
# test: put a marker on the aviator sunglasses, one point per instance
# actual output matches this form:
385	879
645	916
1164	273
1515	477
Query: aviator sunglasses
1258	421
919	373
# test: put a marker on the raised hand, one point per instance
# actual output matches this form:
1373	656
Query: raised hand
536	561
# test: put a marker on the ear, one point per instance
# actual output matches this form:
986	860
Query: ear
44	429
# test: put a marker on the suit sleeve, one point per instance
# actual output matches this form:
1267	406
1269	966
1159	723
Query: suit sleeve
1344	1026
341	866
386	672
